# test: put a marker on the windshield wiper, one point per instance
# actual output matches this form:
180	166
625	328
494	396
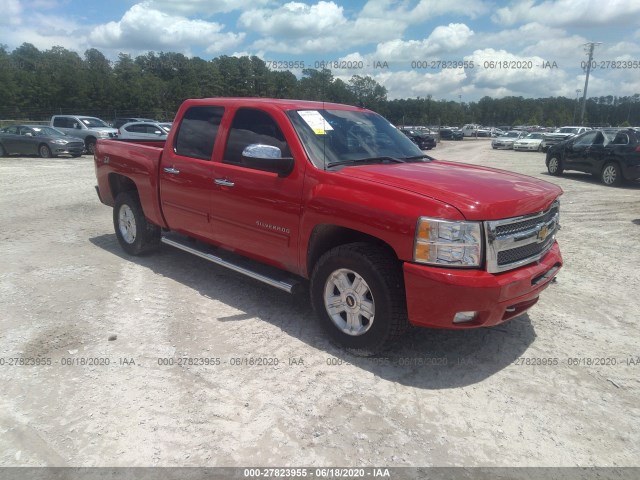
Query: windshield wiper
417	157
366	160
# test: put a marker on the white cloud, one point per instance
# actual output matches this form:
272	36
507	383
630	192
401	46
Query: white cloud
582	13
12	13
168	32
523	75
443	40
295	19
414	83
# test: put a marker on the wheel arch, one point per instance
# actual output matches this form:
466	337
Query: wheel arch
120	183
326	237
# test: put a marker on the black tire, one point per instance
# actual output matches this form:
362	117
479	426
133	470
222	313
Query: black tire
554	165
135	234
76	155
44	151
380	294
611	175
3	152
90	145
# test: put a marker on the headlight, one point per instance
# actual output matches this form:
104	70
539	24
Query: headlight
447	243
60	142
103	134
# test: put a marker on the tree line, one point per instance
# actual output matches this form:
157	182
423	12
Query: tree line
36	84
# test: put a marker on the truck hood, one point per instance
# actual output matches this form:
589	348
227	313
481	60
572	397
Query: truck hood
479	193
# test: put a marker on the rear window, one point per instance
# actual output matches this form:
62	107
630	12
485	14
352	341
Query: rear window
197	132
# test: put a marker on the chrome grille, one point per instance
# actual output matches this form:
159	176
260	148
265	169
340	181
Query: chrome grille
514	242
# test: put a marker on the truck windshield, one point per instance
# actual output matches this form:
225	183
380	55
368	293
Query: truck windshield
342	137
91	122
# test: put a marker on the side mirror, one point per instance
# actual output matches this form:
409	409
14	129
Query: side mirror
28	134
267	158
77	126
158	132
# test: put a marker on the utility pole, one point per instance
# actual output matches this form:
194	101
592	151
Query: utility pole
589	49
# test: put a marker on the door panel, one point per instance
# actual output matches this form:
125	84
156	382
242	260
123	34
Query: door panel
254	212
186	172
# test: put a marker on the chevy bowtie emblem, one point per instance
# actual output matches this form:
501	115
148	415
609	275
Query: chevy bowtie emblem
543	233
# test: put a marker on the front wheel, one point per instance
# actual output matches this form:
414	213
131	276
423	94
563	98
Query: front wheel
90	145
611	175
357	293
554	166
135	234
44	151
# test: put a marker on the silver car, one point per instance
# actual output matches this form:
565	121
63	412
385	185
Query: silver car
143	131
38	140
508	139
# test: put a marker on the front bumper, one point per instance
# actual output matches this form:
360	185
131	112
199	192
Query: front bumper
435	295
526	146
62	150
495	144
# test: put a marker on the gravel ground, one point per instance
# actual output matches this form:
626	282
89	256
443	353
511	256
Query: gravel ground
71	297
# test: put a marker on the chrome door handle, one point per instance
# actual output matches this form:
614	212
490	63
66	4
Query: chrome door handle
224	182
171	170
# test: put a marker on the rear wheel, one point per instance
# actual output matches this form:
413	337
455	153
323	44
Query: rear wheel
611	175
554	166
135	234
44	151
3	152
357	293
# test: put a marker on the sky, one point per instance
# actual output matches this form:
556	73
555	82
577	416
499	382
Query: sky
528	48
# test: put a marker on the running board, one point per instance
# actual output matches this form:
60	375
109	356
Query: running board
264	273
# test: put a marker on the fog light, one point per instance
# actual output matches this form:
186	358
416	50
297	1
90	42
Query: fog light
463	317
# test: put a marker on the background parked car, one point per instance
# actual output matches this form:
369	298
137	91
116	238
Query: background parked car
87	128
118	122
563	133
612	157
143	131
451	134
38	140
532	142
508	139
422	140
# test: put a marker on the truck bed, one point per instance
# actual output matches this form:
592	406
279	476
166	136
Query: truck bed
136	160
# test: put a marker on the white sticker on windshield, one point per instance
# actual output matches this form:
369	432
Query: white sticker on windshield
316	121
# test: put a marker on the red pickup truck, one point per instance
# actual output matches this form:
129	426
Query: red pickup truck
296	193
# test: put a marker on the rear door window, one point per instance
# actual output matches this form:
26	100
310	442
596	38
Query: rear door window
197	132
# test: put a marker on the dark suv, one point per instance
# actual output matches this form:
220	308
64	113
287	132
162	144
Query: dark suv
451	134
422	140
612	156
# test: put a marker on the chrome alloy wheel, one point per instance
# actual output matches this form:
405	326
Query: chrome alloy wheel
127	224
349	302
554	163
609	175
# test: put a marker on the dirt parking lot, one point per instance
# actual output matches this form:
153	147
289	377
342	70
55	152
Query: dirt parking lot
440	398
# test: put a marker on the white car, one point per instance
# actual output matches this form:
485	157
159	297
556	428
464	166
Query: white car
532	142
143	131
508	139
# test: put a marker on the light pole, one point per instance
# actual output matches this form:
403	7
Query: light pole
589	48
575	108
